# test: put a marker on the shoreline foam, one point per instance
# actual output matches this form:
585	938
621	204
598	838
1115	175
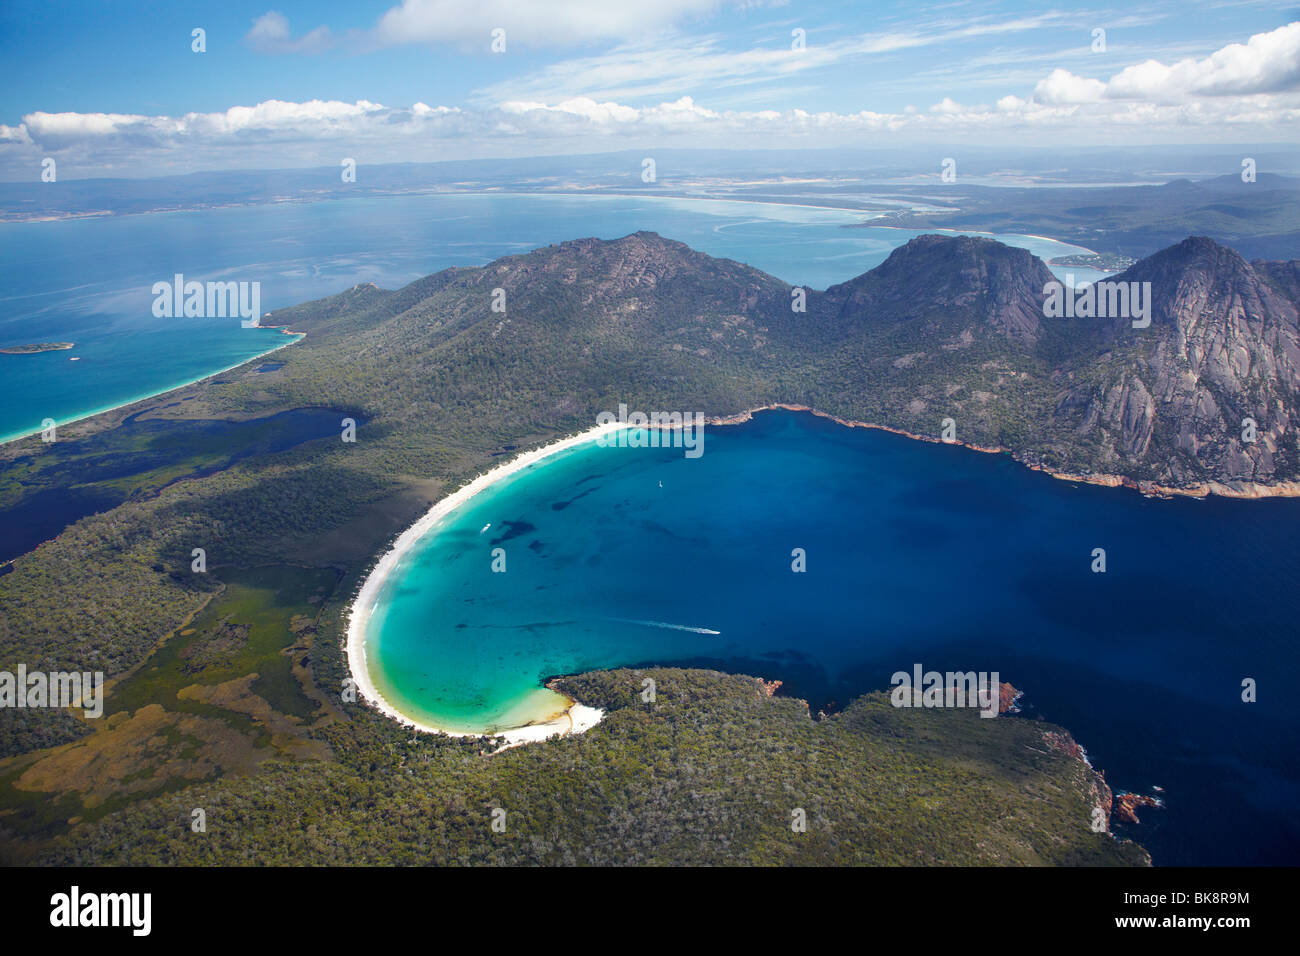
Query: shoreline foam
575	718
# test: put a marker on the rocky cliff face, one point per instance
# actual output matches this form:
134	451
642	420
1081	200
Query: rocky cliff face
1205	393
1208	390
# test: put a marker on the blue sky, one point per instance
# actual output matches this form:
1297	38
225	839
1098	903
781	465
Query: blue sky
115	87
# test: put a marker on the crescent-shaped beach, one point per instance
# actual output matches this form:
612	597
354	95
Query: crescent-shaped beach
576	718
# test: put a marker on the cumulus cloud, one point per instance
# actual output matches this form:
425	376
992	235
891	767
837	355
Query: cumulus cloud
947	107
1269	63
579	106
271	119
270	34
1062	86
56	130
14	134
277	132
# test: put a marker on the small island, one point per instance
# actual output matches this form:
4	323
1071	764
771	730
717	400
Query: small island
37	347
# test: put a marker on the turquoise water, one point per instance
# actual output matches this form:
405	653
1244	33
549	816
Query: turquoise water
89	281
916	553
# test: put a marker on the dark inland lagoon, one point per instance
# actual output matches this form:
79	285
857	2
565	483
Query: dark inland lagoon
917	553
137	458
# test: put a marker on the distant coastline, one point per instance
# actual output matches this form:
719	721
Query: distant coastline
18	436
855	211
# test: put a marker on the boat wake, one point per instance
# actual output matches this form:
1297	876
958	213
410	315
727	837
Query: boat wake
671	627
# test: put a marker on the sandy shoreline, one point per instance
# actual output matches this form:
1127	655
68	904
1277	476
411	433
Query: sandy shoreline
171	388
576	718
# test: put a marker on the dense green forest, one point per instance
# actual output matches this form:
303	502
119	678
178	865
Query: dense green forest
712	773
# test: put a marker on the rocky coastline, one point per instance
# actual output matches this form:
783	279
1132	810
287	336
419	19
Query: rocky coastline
1203	489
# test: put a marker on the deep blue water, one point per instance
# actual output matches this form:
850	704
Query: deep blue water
90	281
916	553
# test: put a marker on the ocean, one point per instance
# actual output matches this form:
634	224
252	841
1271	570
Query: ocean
89	281
916	553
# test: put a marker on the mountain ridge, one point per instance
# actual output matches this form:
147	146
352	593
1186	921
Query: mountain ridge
948	327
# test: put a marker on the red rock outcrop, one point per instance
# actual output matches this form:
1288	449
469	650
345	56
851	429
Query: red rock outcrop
1127	803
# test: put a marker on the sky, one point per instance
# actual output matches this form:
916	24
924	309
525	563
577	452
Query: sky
118	88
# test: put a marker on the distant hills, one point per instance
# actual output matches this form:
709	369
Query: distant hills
1071	197
1259	219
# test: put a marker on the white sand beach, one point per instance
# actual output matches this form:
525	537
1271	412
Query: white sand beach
576	719
5	439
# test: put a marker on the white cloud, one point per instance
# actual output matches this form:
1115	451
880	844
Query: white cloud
947	107
14	134
270	119
1269	63
58	129
530	24
311	132
270	34
580	106
672	65
1062	86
